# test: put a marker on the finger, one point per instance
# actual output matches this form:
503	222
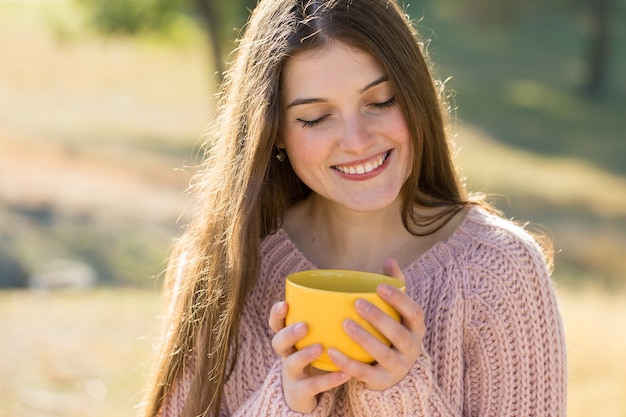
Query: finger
412	315
300	395
375	347
284	341
295	364
380	320
392	269
359	370
400	335
395	297
277	316
328	381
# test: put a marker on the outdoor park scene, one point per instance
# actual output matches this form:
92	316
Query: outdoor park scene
103	105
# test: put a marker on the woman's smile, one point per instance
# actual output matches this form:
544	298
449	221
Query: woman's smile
361	170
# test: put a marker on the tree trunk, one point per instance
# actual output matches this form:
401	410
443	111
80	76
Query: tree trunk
596	83
211	19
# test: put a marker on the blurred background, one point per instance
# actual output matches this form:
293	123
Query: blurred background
103	104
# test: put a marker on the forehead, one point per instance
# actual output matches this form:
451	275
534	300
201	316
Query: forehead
334	67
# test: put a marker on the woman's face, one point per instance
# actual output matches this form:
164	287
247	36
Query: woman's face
343	130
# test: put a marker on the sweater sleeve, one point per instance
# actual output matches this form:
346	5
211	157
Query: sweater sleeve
268	401
416	395
514	348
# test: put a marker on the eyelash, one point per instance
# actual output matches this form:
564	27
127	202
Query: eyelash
312	123
387	104
380	106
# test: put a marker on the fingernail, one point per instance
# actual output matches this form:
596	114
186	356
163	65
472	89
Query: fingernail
317	349
384	289
362	305
350	326
300	329
343	376
334	353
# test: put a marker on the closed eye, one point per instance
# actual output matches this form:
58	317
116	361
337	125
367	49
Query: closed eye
380	106
312	123
387	104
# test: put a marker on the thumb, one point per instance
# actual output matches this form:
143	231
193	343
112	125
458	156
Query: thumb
392	269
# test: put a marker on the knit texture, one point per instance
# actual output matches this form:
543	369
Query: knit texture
494	344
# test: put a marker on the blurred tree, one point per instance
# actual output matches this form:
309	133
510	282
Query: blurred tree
223	22
488	12
12	273
599	47
600	16
130	16
221	19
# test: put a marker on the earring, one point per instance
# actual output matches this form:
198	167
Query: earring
281	155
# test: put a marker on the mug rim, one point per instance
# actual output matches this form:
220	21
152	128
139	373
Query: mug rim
295	280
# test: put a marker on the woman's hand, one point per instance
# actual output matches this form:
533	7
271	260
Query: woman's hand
301	382
392	363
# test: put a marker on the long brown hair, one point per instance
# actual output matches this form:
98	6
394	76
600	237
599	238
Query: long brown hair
241	190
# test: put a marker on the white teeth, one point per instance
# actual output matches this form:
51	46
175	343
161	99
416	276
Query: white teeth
364	168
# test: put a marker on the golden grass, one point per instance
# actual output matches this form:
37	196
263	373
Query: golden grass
596	345
75	354
89	90
84	354
558	181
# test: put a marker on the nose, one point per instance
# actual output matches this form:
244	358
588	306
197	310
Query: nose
356	134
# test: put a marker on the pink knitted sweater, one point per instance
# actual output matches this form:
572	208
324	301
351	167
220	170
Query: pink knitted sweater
494	344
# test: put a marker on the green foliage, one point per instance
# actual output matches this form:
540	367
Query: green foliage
136	16
131	16
523	84
123	255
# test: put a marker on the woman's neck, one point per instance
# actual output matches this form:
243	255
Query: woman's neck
332	236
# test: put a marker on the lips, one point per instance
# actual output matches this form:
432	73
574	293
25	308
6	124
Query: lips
363	168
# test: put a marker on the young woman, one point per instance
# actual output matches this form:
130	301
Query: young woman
330	151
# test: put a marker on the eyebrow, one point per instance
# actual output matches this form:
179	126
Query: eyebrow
374	83
301	101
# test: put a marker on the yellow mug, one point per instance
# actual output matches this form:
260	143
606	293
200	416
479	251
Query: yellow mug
324	298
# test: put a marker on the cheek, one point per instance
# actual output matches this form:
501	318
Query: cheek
400	132
301	146
400	123
308	157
